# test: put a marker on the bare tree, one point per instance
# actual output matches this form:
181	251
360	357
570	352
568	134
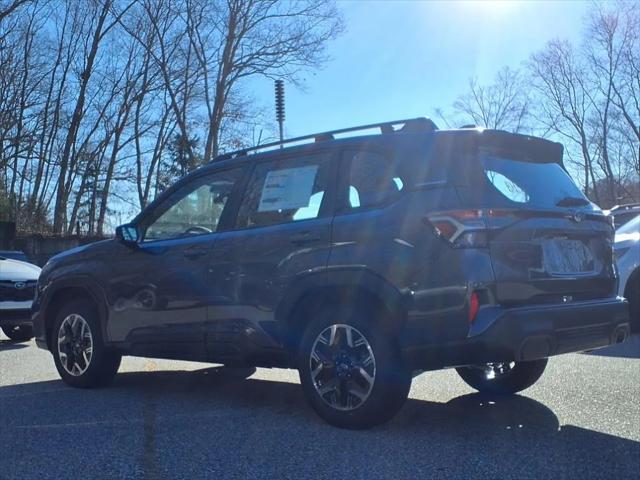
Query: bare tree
502	105
614	56
103	102
563	100
588	96
7	7
164	39
99	25
238	39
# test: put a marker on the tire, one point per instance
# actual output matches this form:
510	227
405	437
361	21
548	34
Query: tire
102	364
517	377
377	398
20	333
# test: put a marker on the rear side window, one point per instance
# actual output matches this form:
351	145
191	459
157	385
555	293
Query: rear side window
373	179
530	183
285	191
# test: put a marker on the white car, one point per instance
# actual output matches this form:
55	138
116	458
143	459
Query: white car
627	251
17	288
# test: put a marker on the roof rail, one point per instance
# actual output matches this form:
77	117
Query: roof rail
626	206
419	124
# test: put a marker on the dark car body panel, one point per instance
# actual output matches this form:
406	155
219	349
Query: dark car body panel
251	272
159	295
231	296
15	318
528	333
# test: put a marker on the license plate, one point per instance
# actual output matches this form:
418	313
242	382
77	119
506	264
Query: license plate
566	257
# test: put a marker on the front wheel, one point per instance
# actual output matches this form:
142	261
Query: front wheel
503	378
351	373
81	358
19	333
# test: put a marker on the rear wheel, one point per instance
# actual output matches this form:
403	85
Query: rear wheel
81	358
19	333
350	371
503	378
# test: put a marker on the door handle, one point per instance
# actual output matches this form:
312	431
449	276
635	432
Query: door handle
304	238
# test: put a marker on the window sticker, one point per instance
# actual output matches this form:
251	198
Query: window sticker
287	189
507	187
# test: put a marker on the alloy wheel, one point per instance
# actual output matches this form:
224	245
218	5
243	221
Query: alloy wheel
342	366
493	371
75	345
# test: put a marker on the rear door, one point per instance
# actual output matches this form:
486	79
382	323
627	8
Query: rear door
282	234
548	243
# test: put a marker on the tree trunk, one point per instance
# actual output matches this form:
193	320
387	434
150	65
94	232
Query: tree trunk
59	217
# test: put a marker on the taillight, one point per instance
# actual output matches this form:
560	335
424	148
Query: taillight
474	306
464	228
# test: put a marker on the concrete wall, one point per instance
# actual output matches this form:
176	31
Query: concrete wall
39	249
7	235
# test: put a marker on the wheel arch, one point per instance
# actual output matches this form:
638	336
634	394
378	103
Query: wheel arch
347	287
69	290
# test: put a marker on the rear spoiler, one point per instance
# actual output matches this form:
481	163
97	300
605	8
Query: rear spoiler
521	147
514	145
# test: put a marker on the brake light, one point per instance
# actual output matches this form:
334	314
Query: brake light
474	306
464	228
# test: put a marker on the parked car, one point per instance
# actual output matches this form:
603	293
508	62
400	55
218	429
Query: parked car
14	255
623	213
17	289
627	251
356	260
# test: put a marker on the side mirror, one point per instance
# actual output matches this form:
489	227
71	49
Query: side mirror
127	233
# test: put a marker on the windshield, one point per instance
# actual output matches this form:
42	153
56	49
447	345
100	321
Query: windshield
534	184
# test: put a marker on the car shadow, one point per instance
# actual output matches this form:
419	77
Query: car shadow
11	345
214	423
630	348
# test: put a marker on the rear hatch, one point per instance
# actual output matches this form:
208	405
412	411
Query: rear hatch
548	243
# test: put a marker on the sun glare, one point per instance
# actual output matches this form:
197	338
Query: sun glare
489	7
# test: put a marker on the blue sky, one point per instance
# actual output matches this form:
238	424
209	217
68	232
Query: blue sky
401	59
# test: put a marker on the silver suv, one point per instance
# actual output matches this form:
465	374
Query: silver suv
17	288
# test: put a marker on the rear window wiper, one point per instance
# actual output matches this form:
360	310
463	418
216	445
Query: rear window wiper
572	202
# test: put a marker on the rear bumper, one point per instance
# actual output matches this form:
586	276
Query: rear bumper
528	333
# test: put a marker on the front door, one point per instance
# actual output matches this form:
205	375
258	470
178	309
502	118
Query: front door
161	290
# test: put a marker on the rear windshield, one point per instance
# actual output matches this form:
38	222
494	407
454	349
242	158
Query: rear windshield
532	184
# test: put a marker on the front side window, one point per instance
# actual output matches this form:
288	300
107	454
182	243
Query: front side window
284	191
195	209
373	179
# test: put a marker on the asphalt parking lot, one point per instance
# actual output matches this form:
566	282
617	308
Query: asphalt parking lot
164	419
